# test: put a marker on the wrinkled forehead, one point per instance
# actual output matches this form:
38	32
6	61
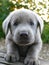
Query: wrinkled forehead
22	16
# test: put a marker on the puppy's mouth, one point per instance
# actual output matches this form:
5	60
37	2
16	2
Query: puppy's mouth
24	43
23	39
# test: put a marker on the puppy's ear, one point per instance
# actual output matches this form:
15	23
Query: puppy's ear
40	23
6	24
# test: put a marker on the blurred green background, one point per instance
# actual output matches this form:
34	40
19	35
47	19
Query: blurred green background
40	7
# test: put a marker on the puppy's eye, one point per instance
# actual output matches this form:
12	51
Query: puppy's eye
31	23
16	23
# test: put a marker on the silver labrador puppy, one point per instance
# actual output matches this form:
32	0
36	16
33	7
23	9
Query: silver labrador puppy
23	30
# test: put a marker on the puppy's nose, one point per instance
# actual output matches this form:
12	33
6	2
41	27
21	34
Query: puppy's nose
24	35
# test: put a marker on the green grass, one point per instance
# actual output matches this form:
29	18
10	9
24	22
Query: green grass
1	31
45	35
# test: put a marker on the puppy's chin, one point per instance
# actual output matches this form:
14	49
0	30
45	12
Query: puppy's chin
24	44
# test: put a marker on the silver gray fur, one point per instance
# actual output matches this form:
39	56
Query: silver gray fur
23	29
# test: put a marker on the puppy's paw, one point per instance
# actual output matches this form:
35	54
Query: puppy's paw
11	57
31	61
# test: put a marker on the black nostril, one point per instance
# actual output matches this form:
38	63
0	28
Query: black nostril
23	35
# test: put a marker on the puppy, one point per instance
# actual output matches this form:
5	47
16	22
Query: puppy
23	29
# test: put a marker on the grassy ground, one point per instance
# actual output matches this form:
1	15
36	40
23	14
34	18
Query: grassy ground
1	31
45	35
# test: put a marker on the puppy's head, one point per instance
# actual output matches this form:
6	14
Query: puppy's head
23	25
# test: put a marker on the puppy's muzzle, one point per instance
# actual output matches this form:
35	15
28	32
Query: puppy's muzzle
23	37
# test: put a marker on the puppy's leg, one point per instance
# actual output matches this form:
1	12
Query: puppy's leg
12	51
32	56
